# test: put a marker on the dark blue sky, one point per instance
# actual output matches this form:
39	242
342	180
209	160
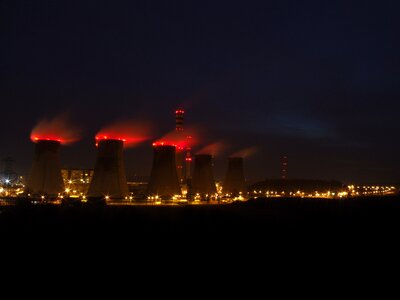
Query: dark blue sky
316	80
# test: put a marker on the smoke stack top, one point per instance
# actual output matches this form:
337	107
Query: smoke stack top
178	146
179	139
58	129
37	139
109	137
129	132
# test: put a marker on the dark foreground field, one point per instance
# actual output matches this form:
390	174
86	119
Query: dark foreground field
262	219
272	235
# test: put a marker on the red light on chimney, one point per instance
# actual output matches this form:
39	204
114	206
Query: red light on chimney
37	139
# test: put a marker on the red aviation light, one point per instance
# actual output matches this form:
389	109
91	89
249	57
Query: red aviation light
155	144
102	137
178	145
158	144
40	138
107	137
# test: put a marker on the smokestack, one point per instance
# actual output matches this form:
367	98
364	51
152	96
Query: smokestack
203	179
179	114
284	167
45	177
164	178
188	165
109	177
234	179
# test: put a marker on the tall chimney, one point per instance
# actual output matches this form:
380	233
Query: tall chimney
179	115
234	180
164	178
109	178
203	179
45	177
284	167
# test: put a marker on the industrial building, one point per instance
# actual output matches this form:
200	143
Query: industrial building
45	178
203	183
76	181
164	181
234	183
171	175
109	178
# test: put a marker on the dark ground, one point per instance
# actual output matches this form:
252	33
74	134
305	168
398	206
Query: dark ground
258	220
290	240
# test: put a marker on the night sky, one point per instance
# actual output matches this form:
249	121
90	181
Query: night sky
317	80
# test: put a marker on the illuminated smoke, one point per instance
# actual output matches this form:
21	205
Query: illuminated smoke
60	128
245	152
214	149
180	139
130	132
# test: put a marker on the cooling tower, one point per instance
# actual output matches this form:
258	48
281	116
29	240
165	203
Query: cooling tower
109	177
45	178
164	178
203	179
234	179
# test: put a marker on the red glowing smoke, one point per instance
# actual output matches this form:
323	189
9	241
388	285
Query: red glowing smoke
214	149
130	132
180	139
245	152
59	129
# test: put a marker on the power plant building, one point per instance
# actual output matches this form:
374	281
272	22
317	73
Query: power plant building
164	180
234	182
45	177
76	181
203	182
109	177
